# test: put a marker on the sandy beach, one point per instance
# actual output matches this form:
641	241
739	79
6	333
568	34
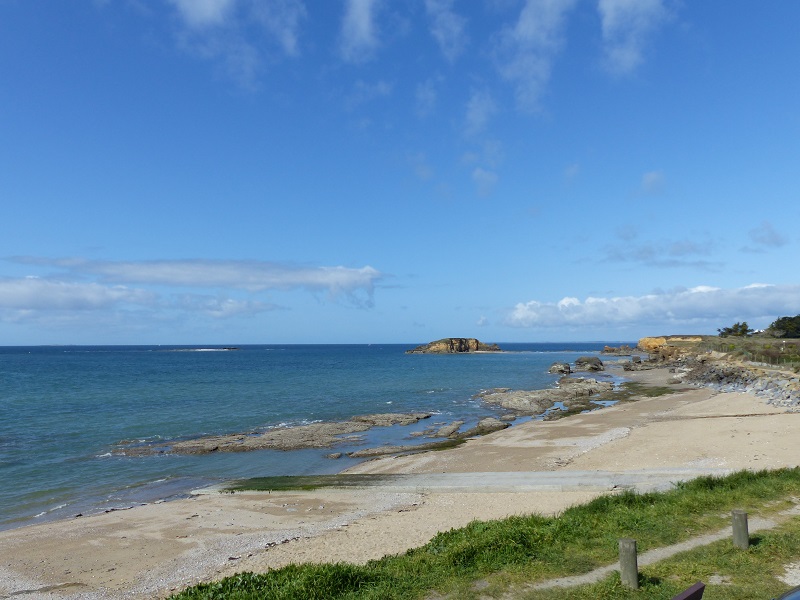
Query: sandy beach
156	549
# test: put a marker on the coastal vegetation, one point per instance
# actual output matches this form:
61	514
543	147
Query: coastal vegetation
492	558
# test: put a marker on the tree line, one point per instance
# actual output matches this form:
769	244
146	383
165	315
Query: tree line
784	327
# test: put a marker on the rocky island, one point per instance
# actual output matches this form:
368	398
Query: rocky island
454	346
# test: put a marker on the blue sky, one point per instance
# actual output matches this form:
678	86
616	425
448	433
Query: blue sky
336	171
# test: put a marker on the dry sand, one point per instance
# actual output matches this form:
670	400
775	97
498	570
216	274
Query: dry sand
151	550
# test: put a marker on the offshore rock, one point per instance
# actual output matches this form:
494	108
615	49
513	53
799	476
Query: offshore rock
454	346
561	368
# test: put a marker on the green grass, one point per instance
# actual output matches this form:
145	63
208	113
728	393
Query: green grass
284	483
741	575
520	549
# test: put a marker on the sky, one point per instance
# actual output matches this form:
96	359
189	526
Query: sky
374	171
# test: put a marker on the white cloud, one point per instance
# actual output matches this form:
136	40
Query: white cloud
447	27
204	13
356	284
626	25
480	108
34	294
358	35
526	51
686	306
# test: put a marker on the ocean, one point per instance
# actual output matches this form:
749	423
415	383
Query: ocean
65	410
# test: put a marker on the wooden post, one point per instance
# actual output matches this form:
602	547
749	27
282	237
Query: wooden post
628	565
741	537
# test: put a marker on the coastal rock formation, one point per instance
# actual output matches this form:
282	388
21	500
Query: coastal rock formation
485	426
536	402
454	346
623	350
315	435
779	388
651	344
561	368
588	363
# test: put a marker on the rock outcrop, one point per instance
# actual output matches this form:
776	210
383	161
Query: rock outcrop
651	344
623	350
315	435
454	346
536	402
560	368
588	363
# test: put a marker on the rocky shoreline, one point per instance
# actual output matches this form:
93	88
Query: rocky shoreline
779	388
570	394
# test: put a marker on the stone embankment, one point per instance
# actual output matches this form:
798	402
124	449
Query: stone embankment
779	388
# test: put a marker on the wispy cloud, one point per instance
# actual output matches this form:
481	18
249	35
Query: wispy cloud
626	26
485	181
766	236
204	13
447	27
681	307
282	20
359	36
364	92
232	33
663	253
151	283
34	294
426	96
480	108
653	183
526	51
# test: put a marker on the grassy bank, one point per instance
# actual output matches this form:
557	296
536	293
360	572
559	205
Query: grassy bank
507	554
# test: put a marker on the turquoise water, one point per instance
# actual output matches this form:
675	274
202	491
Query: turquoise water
64	411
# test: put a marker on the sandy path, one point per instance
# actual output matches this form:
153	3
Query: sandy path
150	550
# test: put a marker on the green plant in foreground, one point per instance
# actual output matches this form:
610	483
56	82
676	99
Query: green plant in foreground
532	548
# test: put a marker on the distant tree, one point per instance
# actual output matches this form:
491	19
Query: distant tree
737	329
787	327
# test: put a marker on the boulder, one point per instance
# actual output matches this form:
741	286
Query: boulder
560	368
588	363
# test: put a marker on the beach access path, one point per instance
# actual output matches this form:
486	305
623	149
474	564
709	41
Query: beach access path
544	467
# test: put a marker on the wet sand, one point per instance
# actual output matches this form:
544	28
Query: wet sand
150	551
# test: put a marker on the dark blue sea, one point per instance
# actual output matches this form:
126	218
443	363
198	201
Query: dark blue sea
65	410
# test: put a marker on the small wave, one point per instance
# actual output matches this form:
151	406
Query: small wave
106	455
